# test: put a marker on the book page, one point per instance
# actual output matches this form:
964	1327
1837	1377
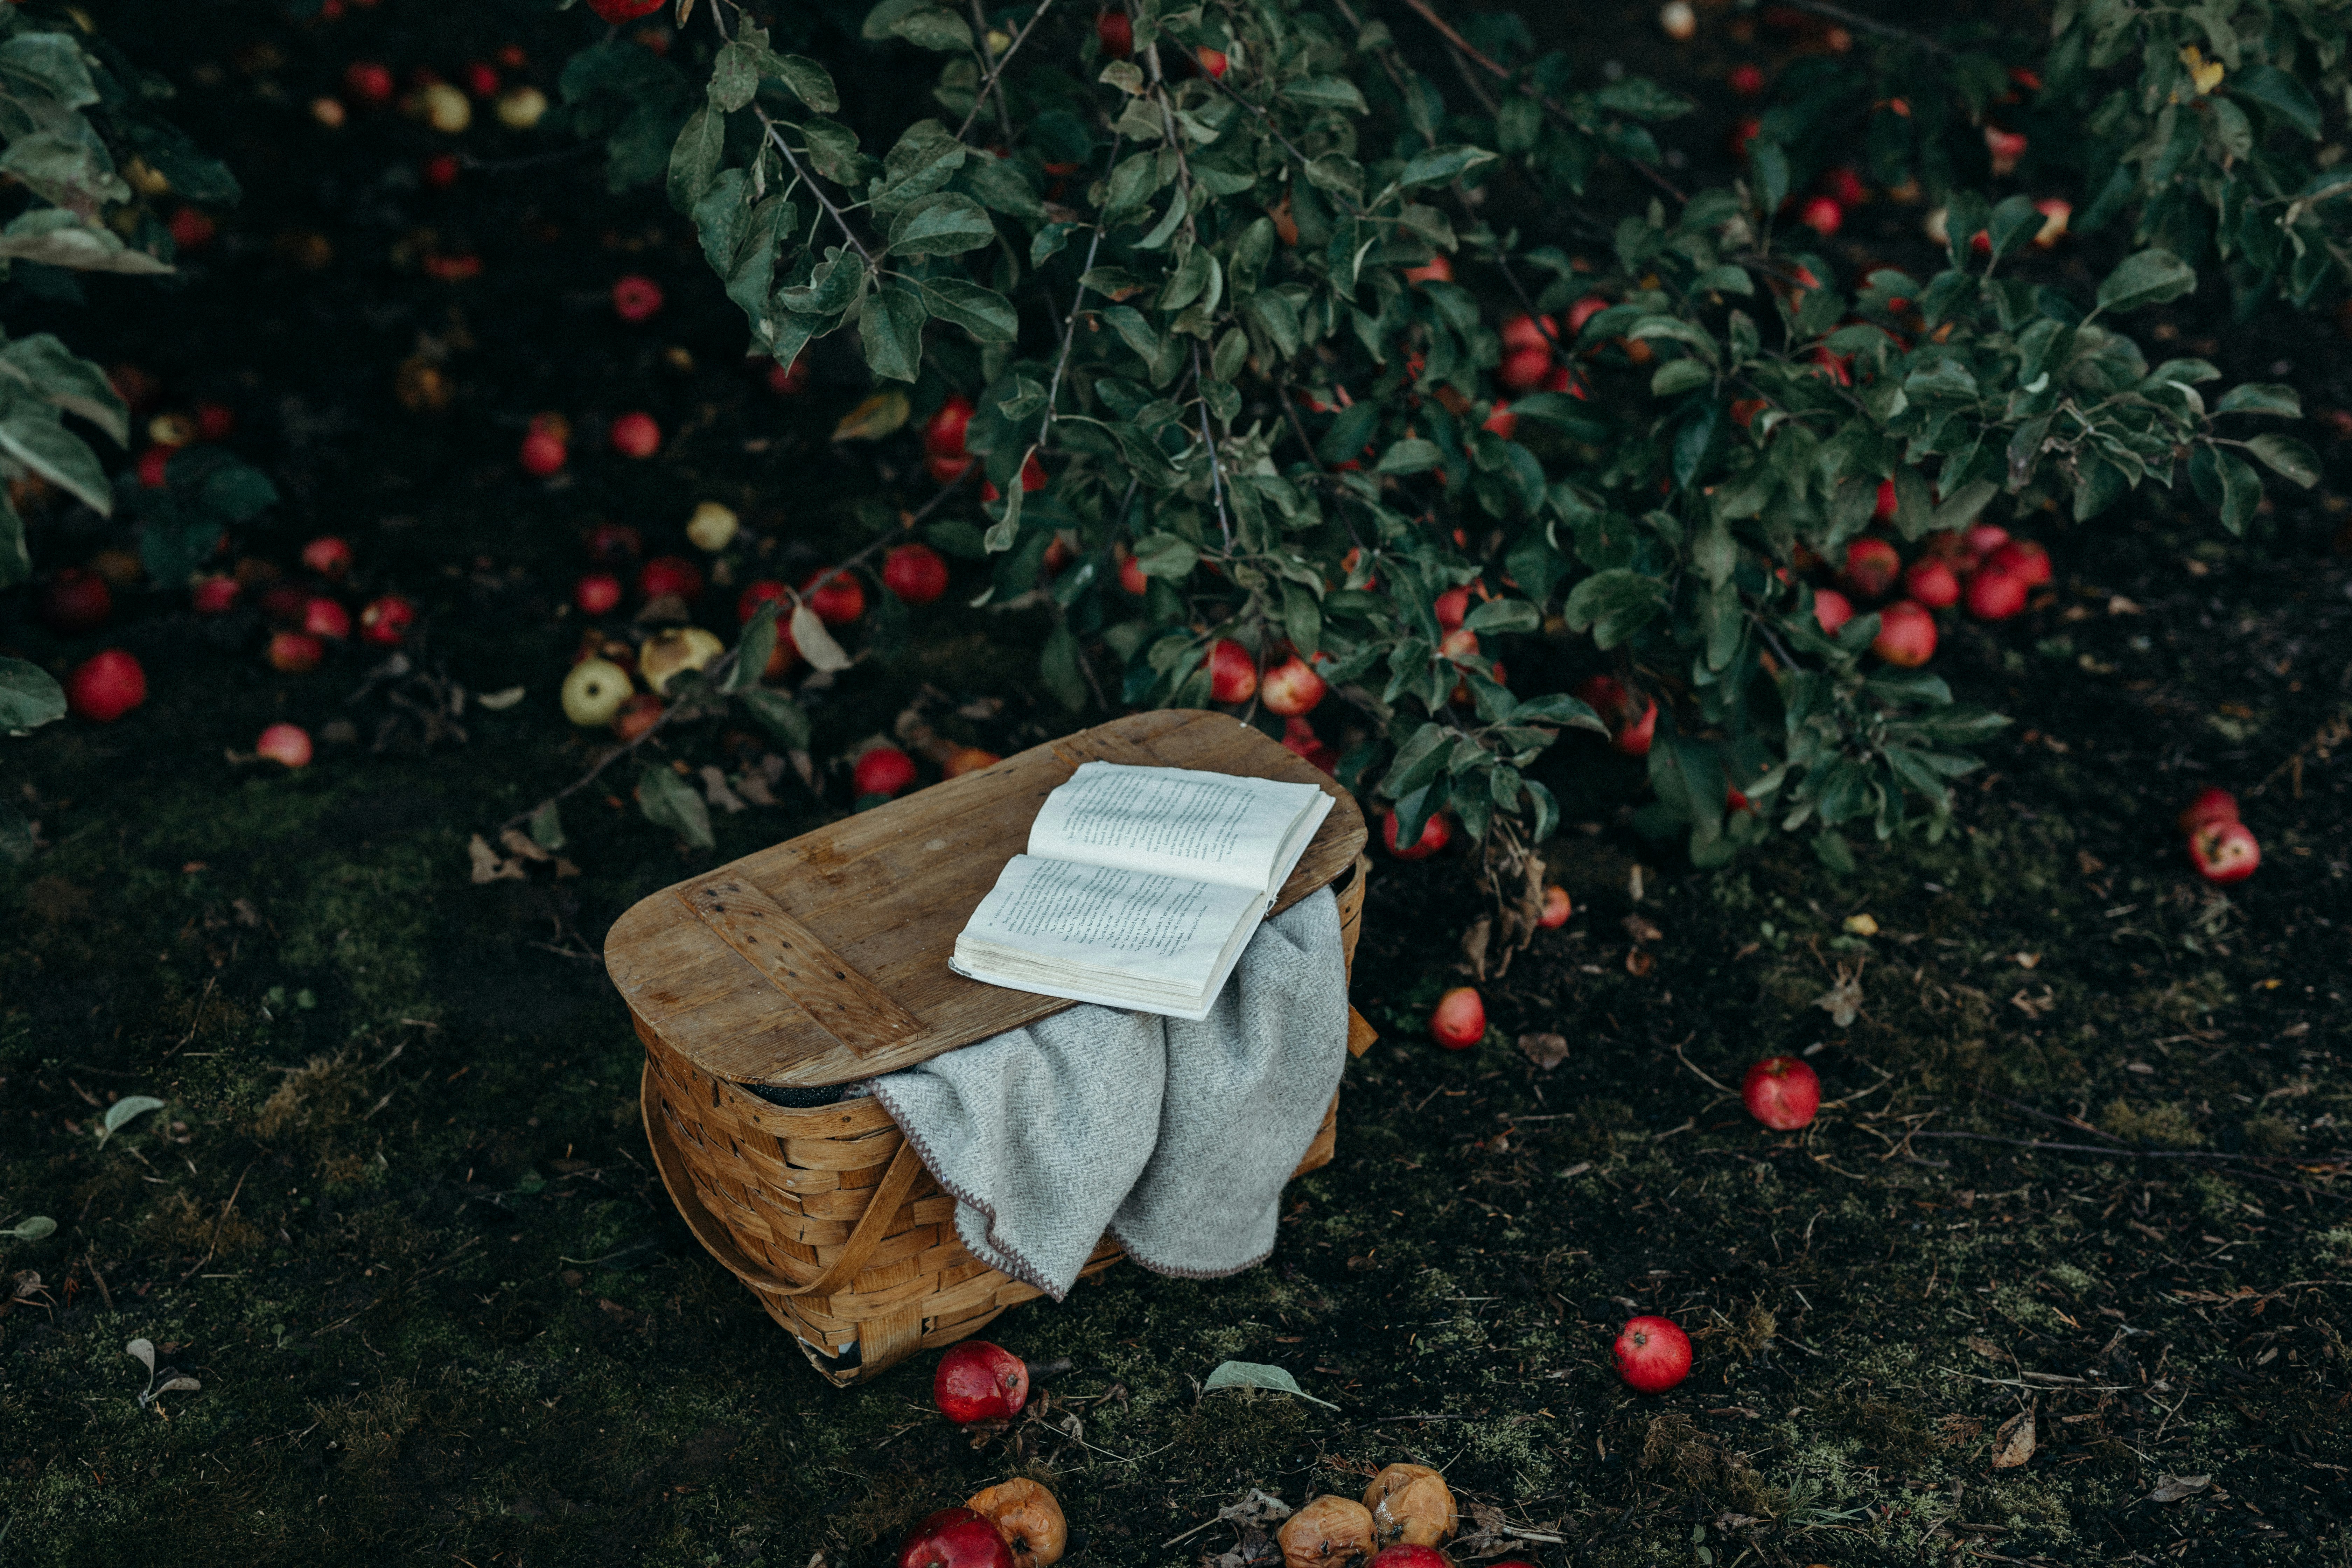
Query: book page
1177	822
1059	912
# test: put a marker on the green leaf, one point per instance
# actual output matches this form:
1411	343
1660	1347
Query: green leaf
752	649
2014	221
1643	99
49	63
1833	851
1770	165
1410	456
694	157
934	28
1441	164
945	224
1615	605
123	1111
1960	508
1168	555
1326	93
56	238
72	382
1680	375
891	331
29	697
38	1228
1714	552
1058	666
2150	278
669	801
15	562
36	440
1559	708
2261	397
2280	93
2285	456
735	77
983	312
778	714
1503	615
1254	1374
809	82
720	215
546	827
1302	618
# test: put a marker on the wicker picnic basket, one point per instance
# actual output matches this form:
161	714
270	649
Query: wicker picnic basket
822	961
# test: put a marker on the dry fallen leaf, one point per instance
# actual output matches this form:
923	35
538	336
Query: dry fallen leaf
2013	1444
1546	1051
1862	925
1473	945
1985	1348
2172	1488
488	867
715	790
1843	1001
498	701
515	841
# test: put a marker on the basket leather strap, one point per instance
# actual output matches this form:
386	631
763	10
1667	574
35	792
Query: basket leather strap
868	1234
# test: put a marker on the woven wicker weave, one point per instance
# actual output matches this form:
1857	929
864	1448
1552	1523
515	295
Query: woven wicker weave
829	1218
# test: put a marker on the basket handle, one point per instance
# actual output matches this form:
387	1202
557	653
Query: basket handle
868	1234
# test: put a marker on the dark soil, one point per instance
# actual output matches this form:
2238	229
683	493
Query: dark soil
397	1219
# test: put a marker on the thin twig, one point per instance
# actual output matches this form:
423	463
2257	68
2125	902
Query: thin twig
1695	1068
1871	25
195	1019
1003	118
1557	111
988	84
1216	474
1070	328
2107	1153
776	135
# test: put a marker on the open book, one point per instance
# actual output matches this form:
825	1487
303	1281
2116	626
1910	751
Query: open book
1141	887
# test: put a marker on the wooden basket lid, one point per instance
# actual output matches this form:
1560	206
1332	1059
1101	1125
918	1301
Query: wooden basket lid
824	959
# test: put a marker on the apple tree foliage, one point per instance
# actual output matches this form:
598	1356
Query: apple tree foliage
76	116
1193	299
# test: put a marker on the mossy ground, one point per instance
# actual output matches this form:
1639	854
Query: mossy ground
396	1215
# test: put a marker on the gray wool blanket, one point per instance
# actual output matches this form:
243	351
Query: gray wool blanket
1175	1137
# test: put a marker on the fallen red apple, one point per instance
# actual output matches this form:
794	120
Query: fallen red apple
838	600
294	653
328	555
1434	836
2212	804
883	770
105	686
2224	852
596	592
385	620
287	743
1872	566
1292	688
636	714
323	617
369	82
977	1381
634	435
1233	673
214	594
74	600
1932	584
1652	1355
1781	1092
1906	635
955	1538
916	572
1556	909
670	575
618	11
543	453
1459	1019
636	297
614	541
1406	1554
1995	596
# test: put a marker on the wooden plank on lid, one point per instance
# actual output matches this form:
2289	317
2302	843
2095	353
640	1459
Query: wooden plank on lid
885	893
